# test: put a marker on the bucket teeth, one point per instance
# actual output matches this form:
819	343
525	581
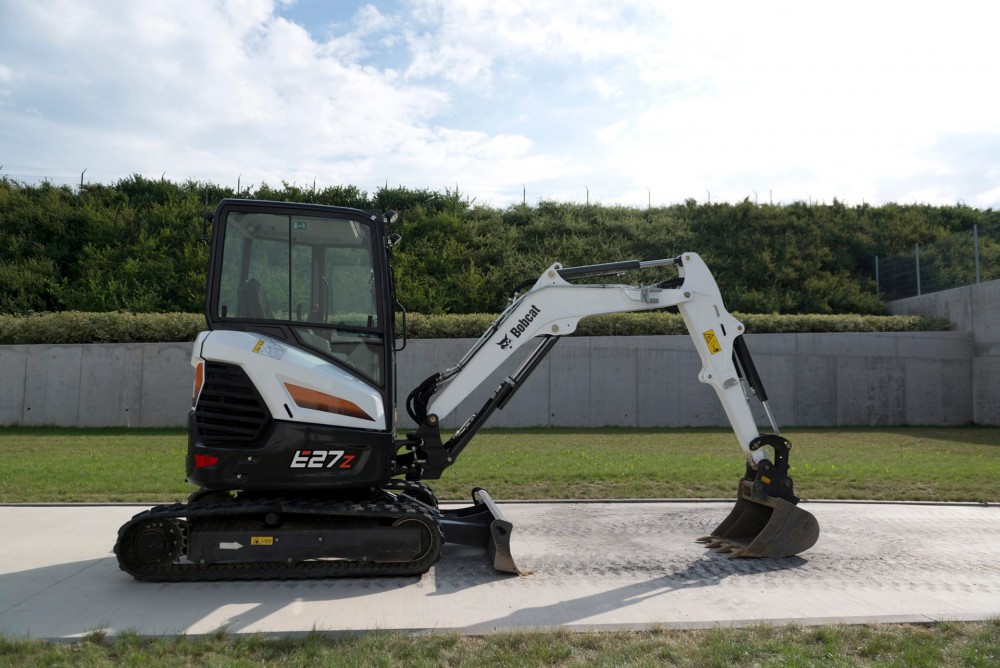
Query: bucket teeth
725	547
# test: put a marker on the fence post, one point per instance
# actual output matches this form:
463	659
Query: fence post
916	255
975	246
878	288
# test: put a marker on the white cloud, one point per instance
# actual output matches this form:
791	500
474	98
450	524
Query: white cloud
458	64
353	40
607	88
612	132
151	90
470	38
855	100
370	20
832	103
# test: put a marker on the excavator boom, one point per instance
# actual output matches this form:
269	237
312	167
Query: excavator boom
766	521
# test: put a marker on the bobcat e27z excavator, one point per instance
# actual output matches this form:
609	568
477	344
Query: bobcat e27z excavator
292	432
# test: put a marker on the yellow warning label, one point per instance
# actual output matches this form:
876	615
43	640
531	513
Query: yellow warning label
260	344
713	343
262	540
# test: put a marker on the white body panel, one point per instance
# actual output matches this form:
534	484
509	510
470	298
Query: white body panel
271	363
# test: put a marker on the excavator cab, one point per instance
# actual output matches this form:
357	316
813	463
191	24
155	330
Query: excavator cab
298	356
321	280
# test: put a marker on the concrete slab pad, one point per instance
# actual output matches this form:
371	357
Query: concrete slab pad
594	566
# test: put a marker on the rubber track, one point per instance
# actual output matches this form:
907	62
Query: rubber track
191	572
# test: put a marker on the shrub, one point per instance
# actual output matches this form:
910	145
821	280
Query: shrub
80	327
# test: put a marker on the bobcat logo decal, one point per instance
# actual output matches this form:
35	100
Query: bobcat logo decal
504	343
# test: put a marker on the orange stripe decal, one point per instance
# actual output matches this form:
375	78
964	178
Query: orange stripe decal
318	401
199	379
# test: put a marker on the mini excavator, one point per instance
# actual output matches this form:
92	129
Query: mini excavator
293	440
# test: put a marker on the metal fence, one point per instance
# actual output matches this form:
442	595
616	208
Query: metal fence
963	258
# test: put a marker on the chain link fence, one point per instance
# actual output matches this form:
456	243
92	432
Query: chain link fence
964	258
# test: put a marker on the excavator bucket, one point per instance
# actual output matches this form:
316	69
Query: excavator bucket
761	525
481	525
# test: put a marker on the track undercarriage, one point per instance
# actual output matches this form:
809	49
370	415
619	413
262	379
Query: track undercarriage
396	531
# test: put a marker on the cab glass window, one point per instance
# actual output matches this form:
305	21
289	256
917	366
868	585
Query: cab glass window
315	274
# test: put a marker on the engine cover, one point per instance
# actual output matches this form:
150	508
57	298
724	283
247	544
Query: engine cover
290	456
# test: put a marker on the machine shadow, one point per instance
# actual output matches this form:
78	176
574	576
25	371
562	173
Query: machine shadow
76	598
708	571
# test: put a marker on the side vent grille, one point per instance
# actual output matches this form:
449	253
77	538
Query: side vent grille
230	411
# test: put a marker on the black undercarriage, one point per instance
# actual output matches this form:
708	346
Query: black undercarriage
217	536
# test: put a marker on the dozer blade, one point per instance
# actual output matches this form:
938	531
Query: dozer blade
481	525
760	525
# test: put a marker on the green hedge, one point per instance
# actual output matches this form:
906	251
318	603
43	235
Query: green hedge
79	327
662	322
136	246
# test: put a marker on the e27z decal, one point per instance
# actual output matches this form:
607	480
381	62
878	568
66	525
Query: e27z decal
322	459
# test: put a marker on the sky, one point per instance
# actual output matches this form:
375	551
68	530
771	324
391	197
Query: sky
632	102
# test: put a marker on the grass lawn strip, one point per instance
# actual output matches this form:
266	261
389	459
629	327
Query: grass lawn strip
890	464
910	646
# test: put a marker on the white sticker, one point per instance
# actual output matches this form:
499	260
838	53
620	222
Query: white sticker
270	349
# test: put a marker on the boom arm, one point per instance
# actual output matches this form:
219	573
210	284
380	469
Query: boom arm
551	308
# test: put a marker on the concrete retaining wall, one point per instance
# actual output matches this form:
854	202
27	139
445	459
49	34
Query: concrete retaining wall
129	385
811	379
974	309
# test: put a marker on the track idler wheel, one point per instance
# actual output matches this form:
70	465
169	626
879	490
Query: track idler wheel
430	537
766	520
153	543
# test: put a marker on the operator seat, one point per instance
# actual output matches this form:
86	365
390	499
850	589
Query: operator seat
251	301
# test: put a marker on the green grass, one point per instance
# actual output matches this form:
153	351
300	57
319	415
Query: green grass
944	644
926	464
92	465
912	463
